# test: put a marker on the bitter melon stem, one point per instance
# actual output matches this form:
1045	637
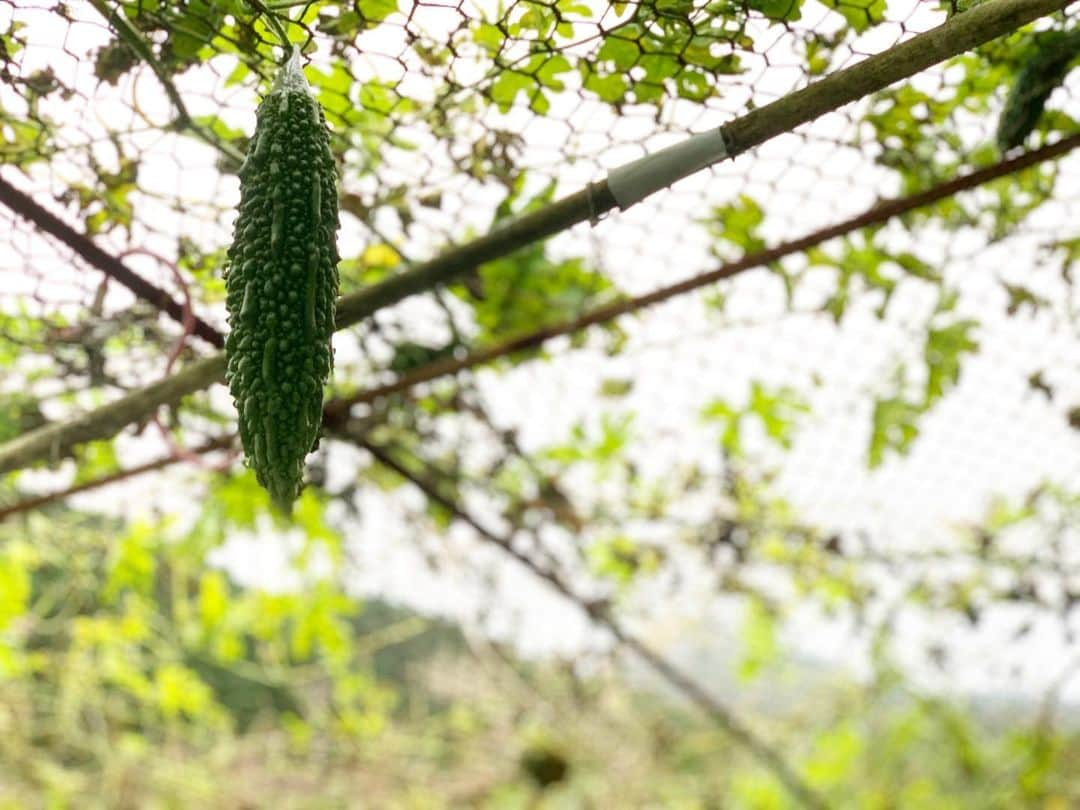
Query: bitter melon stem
291	75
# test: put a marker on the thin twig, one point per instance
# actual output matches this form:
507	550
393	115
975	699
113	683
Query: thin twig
176	454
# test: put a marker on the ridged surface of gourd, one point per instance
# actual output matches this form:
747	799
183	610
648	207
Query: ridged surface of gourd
1035	81
281	281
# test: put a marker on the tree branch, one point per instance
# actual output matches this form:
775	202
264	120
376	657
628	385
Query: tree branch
958	34
25	206
37	501
55	440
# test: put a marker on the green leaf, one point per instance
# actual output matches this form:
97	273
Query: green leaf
860	14
836	753
760	644
678	8
489	37
14	587
611	89
789	10
894	427
693	85
565	7
335	83
240	498
552	67
539	103
310	515
527	290
96	459
737	224
218	127
622	559
616	432
616	387
729	419
180	692
238	74
507	87
624	53
375	11
778	411
943	353
133	563
659	66
213	599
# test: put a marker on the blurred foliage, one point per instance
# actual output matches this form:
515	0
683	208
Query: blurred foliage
133	675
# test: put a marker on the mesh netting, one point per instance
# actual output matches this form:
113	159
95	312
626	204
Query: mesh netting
940	347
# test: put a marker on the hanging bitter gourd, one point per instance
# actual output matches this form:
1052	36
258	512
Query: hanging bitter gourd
1040	75
281	281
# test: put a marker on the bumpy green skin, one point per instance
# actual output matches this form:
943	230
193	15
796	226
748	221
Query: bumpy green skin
1035	81
282	279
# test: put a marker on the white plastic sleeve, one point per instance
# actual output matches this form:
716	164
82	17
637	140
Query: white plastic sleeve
635	181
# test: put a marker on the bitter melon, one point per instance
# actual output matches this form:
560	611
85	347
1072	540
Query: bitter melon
1035	81
281	282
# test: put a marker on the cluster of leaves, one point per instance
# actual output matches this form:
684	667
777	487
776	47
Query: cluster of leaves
25	134
896	417
528	289
922	135
653	51
118	643
863	268
752	540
